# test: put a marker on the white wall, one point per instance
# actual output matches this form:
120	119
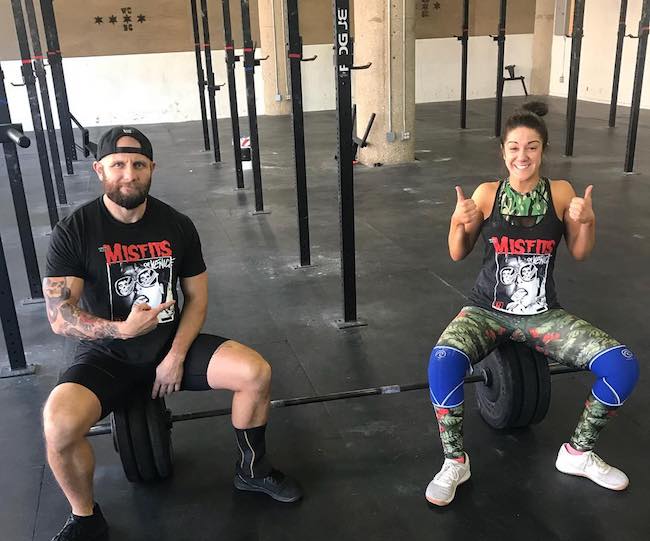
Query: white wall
135	89
318	81
438	65
597	56
437	70
152	88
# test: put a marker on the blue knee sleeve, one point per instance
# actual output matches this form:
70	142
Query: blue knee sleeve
618	371
447	368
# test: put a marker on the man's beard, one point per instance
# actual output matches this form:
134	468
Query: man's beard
131	201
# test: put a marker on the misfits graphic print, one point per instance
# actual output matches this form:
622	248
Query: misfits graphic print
521	270
139	274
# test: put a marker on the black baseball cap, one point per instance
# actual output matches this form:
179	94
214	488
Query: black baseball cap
108	142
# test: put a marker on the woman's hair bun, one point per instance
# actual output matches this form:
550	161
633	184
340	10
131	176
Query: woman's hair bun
538	107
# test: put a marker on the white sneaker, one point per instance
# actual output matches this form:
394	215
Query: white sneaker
591	466
442	489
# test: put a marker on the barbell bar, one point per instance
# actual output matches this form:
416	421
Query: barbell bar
484	377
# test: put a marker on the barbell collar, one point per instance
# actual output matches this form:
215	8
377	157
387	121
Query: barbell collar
13	133
99	430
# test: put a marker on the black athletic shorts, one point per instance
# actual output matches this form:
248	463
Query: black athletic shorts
112	380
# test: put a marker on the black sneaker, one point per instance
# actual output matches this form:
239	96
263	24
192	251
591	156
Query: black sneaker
276	484
91	528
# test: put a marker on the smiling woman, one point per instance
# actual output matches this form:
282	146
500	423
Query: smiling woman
522	220
523	143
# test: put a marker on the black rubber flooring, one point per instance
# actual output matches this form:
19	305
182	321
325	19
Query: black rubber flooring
364	463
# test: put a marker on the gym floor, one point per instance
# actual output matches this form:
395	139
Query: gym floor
364	463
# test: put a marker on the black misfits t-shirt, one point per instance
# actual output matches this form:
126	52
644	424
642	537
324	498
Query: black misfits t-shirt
126	264
518	262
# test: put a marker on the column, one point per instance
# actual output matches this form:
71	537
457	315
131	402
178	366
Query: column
384	34
274	70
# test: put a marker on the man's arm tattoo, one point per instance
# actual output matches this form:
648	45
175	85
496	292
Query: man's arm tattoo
69	318
56	292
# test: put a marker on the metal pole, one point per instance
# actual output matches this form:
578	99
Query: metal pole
638	86
13	340
249	69
23	222
576	45
464	41
232	92
501	42
200	76
41	75
295	58
58	79
210	80
30	82
342	68
18	195
617	63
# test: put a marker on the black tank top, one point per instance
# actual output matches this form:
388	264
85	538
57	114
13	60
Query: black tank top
518	261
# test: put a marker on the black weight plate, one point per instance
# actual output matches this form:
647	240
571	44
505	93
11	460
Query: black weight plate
524	356
159	426
543	387
122	444
499	401
140	439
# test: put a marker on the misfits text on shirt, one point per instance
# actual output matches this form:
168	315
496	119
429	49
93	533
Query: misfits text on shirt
139	274
521	271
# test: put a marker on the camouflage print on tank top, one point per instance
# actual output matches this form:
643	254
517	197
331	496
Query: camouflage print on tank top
532	204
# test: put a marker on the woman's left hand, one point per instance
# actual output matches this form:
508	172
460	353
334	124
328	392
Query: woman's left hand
580	208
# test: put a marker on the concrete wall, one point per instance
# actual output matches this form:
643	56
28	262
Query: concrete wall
98	28
597	56
542	46
153	88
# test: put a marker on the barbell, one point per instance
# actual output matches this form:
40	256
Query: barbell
515	392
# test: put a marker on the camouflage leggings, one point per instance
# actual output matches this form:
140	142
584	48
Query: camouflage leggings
555	333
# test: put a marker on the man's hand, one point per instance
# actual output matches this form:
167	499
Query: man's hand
580	208
169	374
466	212
142	319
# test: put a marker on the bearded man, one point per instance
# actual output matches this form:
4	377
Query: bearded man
112	270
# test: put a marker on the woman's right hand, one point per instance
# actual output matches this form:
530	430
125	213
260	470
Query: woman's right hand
466	211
